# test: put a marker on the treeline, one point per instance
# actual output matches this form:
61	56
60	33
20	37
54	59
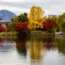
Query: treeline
60	22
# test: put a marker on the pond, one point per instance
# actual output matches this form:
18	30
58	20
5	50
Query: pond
34	51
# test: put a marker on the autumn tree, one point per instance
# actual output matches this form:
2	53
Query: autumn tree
36	18
36	13
55	19
21	18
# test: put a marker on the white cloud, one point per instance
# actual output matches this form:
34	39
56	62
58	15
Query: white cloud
15	9
18	6
22	1
12	0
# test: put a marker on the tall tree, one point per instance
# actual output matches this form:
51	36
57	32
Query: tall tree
36	13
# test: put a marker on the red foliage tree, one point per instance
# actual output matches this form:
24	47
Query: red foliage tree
2	29
49	25
21	26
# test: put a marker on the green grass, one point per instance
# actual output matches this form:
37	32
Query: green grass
7	33
40	32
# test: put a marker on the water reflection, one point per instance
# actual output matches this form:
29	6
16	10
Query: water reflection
61	45
38	48
49	43
21	46
34	51
4	45
1	41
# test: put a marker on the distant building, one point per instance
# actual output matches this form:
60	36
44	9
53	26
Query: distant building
4	22
52	15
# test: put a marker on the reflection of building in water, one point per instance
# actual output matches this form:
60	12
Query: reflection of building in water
5	46
35	49
21	46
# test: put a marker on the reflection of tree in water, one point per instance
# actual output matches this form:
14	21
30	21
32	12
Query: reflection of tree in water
61	45
21	46
22	35
49	39
37	45
49	42
1	41
35	49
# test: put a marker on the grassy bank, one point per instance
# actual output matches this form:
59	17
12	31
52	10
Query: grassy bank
8	33
33	34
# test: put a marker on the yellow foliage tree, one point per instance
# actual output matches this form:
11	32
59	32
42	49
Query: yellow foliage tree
36	18
36	13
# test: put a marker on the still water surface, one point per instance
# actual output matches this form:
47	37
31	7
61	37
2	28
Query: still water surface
35	51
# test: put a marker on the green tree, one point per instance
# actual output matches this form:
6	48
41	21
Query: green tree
61	22
21	18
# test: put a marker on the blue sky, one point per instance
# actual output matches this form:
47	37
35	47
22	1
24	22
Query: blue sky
51	7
